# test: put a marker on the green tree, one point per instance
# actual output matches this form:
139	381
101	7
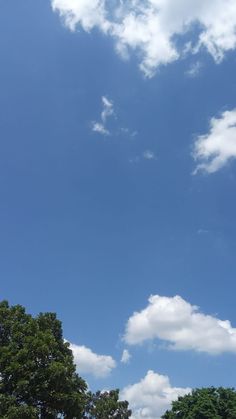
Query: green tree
37	373
106	405
205	403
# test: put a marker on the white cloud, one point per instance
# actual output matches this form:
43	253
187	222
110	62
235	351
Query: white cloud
126	356
176	321
89	362
152	396
87	13
149	155
108	109
107	112
150	27
218	146
194	70
146	155
100	128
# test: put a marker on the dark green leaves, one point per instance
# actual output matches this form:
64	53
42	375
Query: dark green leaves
205	403
37	371
106	405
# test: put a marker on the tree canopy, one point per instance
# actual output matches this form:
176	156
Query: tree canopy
38	377
106	404
205	403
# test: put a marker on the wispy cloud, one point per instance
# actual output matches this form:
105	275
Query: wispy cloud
100	128
126	356
129	133
107	112
146	155
108	109
149	155
194	70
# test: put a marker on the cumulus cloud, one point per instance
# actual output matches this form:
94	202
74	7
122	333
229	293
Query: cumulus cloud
182	325
126	356
152	396
150	27
107	112
89	362
216	148
87	13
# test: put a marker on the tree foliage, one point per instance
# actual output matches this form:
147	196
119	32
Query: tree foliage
205	403
106	405
38	377
37	371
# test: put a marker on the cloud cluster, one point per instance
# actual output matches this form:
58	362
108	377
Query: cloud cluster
107	111
89	362
218	146
180	324
152	396
151	27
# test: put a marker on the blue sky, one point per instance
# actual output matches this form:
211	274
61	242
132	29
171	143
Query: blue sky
93	223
